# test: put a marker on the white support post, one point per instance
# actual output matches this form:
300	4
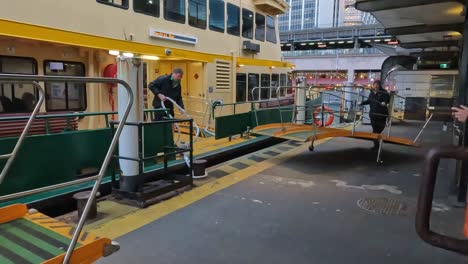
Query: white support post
131	71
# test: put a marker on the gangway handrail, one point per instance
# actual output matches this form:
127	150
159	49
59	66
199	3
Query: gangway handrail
12	155
107	158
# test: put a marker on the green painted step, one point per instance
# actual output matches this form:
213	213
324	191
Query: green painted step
22	241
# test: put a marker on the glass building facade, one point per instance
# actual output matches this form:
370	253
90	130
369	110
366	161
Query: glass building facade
304	14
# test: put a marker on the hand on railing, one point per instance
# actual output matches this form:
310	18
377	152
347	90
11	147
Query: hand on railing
460	113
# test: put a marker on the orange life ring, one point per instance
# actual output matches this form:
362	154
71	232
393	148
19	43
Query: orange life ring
330	118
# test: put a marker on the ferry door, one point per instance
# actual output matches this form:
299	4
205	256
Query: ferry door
183	81
195	79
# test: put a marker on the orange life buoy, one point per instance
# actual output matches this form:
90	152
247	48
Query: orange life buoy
330	118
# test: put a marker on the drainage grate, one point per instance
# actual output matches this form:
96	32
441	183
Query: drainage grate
385	206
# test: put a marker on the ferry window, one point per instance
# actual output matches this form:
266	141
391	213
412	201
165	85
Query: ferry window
241	87
233	21
147	7
283	79
274	84
253	82
65	96
247	23
174	10
259	27
16	98
197	13
271	32
217	15
265	83
116	3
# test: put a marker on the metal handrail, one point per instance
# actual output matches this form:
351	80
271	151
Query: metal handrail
24	117
100	175
183	112
11	157
426	195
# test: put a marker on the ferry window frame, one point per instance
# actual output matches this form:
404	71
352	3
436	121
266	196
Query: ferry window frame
283	79
268	32
184	15
241	92
262	37
67	108
265	83
210	18
273	91
238	26
197	18
158	13
34	71
245	31
106	2
249	89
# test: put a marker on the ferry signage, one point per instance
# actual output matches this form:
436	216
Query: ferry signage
173	36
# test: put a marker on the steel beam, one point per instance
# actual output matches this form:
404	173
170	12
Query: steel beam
380	5
421	29
429	44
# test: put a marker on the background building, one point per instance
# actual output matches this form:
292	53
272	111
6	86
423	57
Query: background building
330	42
309	14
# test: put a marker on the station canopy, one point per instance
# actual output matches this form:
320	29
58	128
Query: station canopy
419	24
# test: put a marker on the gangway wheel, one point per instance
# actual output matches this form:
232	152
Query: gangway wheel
311	146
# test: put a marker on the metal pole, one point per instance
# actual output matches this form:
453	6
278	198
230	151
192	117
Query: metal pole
463	99
422	129
390	111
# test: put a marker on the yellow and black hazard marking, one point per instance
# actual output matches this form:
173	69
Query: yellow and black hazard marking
248	160
59	227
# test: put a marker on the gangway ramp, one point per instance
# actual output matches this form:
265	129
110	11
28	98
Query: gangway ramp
306	133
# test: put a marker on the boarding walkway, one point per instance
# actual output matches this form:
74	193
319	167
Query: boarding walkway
305	133
331	206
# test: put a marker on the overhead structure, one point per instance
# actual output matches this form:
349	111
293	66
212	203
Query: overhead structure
419	23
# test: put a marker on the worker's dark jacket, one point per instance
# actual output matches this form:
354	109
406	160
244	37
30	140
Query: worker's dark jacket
377	111
163	85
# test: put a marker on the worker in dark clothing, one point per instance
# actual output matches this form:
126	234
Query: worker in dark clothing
167	85
378	101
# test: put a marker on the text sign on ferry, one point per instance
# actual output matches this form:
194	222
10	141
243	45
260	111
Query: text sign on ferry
172	36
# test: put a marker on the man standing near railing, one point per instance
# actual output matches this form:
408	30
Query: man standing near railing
378	101
167	85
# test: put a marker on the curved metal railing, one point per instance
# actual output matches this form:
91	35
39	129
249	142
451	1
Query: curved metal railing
107	158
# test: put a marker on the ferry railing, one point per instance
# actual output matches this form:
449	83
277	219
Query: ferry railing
205	114
11	156
208	116
67	116
147	193
107	158
183	112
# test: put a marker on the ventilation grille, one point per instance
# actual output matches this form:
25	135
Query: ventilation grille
223	75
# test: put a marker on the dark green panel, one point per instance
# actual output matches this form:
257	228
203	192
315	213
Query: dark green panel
231	125
51	159
270	116
155	138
